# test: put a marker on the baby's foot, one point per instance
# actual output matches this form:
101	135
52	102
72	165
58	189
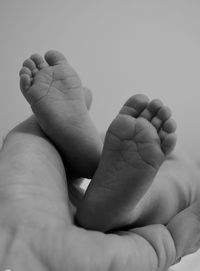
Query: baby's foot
57	98
136	144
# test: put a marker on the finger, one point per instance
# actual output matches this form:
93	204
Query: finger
43	169
154	245
151	248
161	247
185	230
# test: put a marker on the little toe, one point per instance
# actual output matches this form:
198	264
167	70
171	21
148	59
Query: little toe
169	143
39	61
169	126
25	82
135	105
54	58
30	64
153	107
25	70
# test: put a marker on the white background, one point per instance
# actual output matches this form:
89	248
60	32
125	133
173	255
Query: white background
119	48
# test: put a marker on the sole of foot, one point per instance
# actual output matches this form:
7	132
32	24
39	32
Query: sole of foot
136	144
60	103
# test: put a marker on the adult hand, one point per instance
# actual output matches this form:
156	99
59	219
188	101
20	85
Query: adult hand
37	227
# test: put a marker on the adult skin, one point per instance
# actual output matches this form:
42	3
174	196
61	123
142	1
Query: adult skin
37	228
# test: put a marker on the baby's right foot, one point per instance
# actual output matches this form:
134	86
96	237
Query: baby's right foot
136	144
57	98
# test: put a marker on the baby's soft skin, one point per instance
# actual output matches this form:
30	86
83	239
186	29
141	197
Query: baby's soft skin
136	144
59	102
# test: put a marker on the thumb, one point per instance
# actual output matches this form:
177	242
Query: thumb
162	246
185	230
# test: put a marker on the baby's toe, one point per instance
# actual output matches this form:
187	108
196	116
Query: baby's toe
168	143
152	108
30	64
25	70
162	115
135	105
169	126
25	82
54	58
25	78
39	61
167	136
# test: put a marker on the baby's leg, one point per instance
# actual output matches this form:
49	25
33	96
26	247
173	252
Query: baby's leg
59	102
136	144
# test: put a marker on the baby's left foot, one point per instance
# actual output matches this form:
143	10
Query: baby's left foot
136	144
58	100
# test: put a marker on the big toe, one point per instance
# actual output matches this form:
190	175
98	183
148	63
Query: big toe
54	57
135	105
